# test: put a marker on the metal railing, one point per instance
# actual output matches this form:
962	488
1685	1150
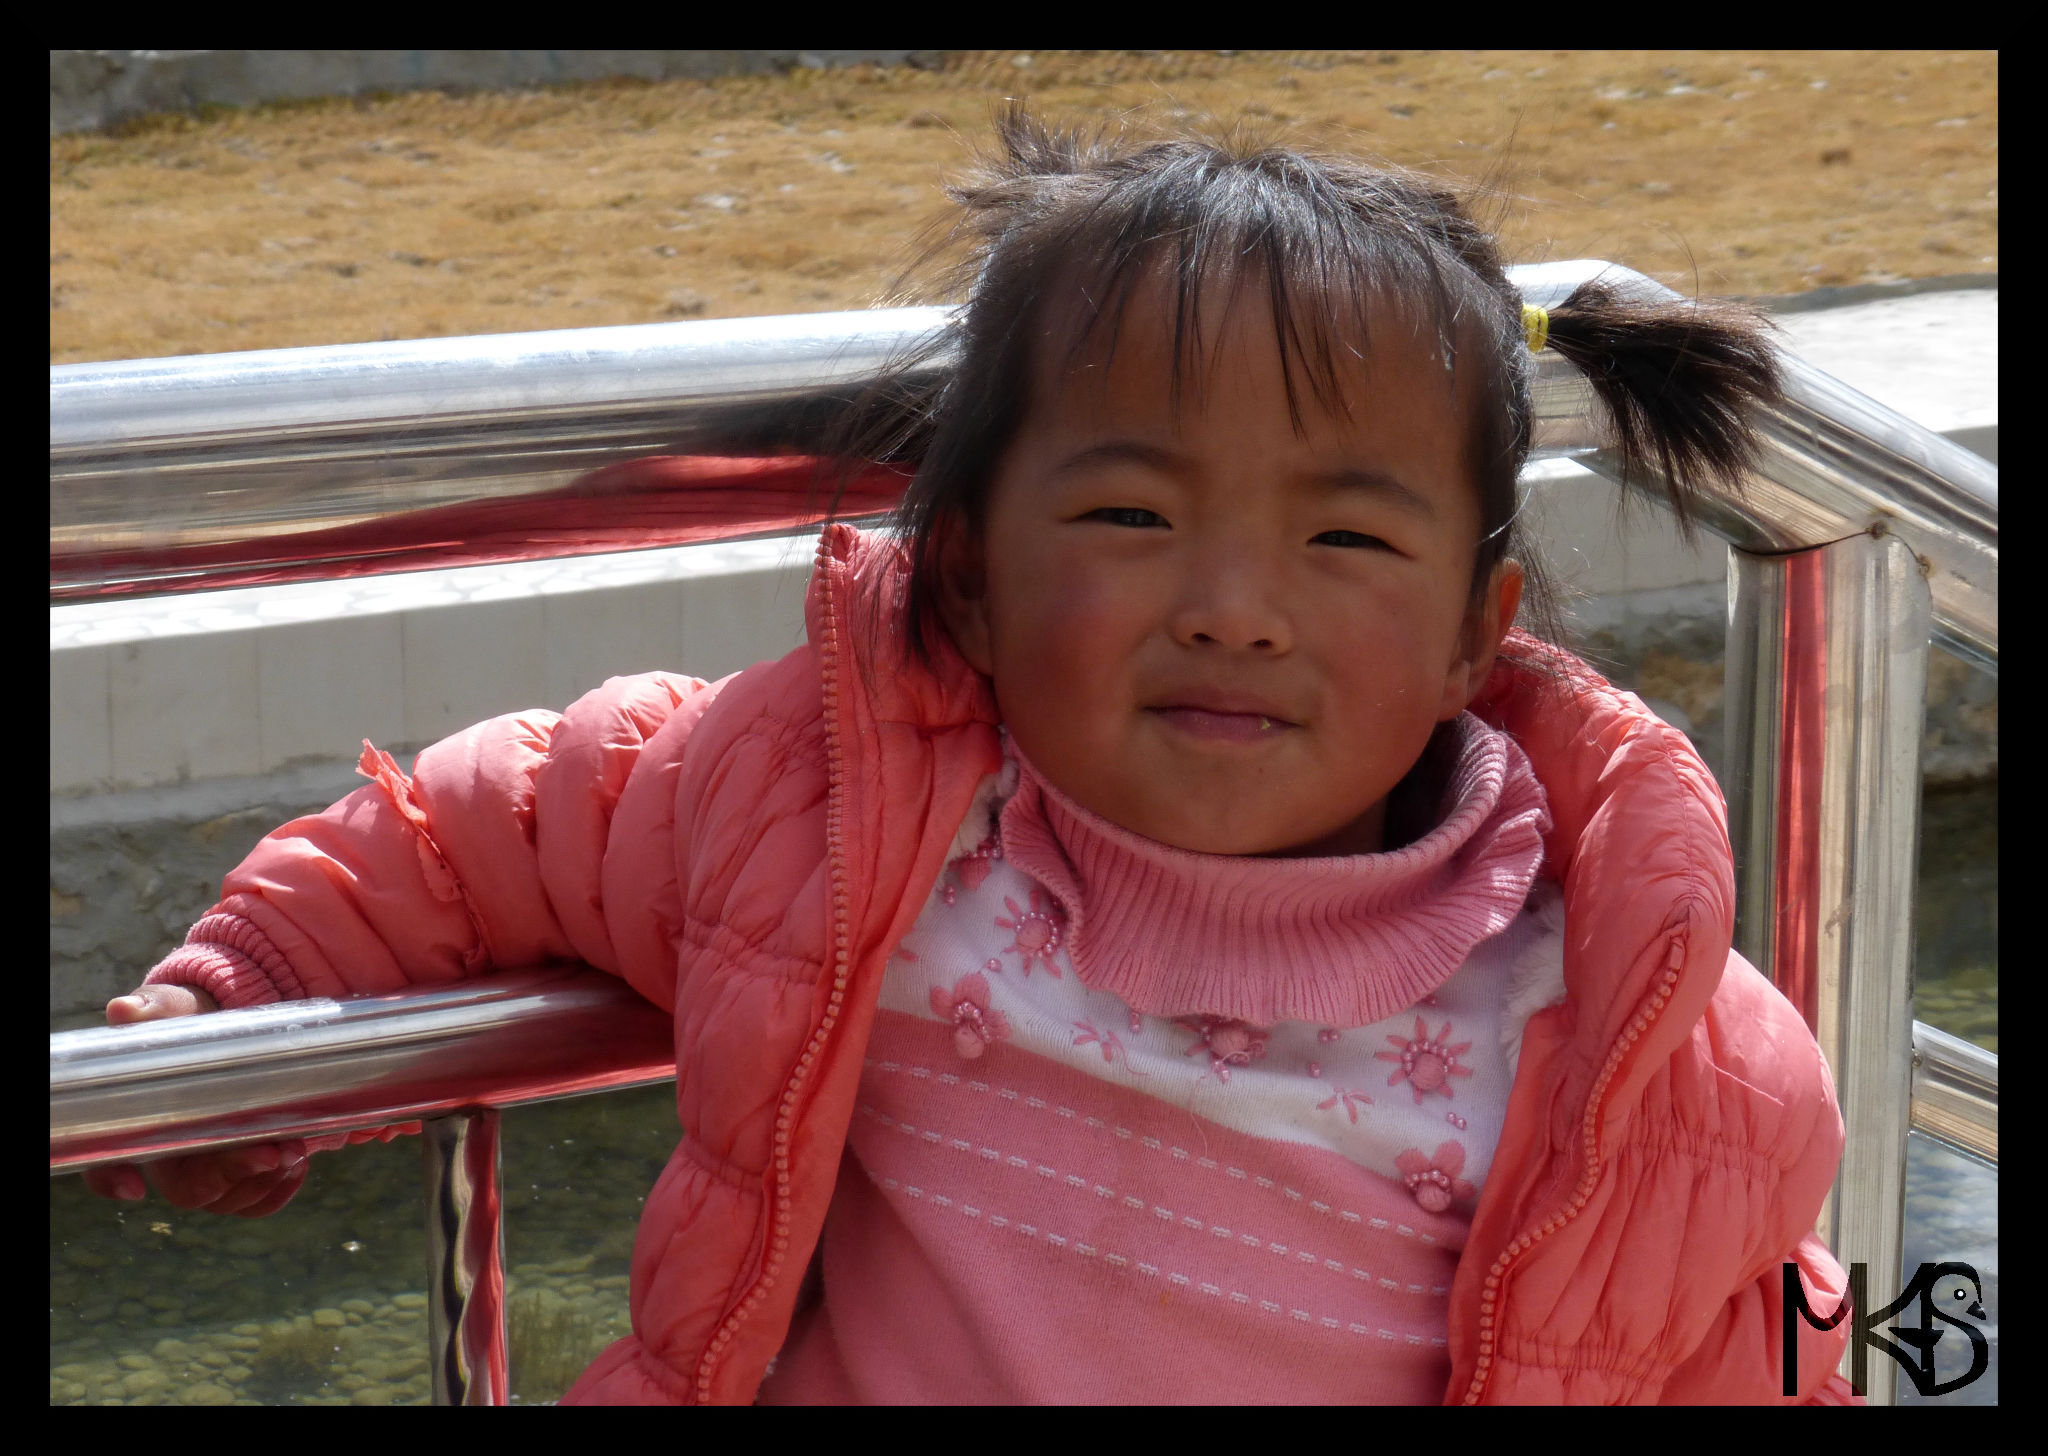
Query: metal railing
1859	536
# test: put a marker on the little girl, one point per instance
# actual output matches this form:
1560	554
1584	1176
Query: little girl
1166	938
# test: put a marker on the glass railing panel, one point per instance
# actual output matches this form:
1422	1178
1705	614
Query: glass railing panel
1952	1217
324	1303
576	1176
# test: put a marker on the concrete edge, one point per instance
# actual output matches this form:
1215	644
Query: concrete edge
1846	295
92	90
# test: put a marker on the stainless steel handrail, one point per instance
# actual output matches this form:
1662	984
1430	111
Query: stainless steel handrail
453	1057
211	448
305	1068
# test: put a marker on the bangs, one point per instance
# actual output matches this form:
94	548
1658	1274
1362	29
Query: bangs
1335	272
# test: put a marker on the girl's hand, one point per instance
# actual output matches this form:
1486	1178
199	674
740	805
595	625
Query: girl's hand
250	1181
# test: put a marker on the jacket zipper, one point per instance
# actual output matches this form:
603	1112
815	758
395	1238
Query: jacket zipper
1589	1140
842	958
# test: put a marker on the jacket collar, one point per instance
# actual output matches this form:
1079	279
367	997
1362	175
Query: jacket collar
869	580
1639	839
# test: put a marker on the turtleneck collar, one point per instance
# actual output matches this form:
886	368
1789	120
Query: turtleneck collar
1340	941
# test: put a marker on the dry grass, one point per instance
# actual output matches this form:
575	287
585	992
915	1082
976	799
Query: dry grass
419	215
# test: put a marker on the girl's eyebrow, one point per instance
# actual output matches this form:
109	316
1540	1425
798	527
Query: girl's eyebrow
1127	452
1373	482
1172	462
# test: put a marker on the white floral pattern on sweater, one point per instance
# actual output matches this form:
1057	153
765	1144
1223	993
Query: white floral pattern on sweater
1418	1097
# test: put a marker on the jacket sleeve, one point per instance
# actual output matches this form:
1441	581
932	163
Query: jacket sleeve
490	855
429	879
1740	1359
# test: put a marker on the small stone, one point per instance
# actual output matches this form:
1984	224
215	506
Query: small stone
358	1306
169	1319
352	1383
136	1362
577	1289
578	1265
172	1351
614	1281
376	1395
207	1393
236	1374
142	1382
65	1391
409	1301
73	1372
163	1303
354	1318
329	1319
242	1342
248	1330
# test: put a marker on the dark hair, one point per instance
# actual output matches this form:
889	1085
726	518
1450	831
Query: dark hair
1057	219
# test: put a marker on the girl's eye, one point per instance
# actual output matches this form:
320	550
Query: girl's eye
1349	538
1127	516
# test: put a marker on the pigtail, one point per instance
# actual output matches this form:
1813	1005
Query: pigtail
1683	381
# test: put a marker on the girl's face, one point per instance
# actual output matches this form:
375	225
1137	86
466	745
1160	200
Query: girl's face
1211	629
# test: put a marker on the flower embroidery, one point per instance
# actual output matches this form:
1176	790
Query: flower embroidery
1434	1181
1229	1043
975	1026
1085	1034
1347	1099
1427	1063
973	867
1039	930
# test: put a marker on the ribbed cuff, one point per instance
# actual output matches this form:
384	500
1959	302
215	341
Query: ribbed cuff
232	961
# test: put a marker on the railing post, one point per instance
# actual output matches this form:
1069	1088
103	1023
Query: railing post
1826	706
466	1302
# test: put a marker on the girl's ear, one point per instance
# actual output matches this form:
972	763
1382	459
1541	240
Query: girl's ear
1489	624
963	593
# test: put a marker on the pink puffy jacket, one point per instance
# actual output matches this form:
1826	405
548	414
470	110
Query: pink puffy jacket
749	851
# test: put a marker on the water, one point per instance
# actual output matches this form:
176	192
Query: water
325	1303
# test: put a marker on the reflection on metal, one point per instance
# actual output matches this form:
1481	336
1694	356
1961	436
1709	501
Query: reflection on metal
156	464
1826	702
1955	1092
466	1305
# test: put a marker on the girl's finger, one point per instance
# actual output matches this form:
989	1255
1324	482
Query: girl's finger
155	1003
287	1186
117	1180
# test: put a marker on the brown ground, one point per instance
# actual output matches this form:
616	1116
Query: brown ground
1725	172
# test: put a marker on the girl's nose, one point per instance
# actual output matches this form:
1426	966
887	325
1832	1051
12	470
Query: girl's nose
1231	601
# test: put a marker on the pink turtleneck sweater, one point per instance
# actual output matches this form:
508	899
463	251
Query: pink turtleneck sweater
1142	1125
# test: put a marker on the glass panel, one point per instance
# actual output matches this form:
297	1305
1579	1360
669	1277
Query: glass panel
323	1303
1951	1217
576	1174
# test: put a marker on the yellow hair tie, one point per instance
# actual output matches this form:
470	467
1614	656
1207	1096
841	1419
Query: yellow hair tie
1536	326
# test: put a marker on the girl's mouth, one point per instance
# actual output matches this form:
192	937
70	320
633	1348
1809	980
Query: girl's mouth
1227	727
